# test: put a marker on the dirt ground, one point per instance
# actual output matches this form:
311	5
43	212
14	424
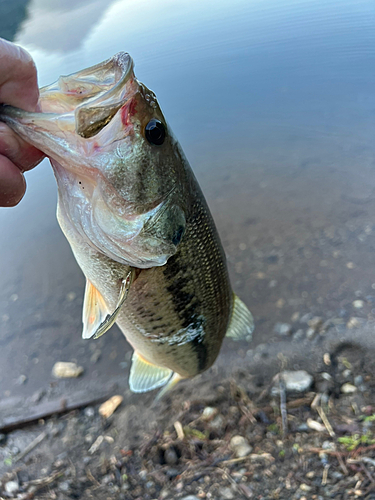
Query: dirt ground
224	435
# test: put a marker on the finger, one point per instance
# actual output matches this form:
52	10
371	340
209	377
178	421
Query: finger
12	185
17	150
18	77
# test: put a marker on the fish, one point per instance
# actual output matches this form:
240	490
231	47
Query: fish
137	222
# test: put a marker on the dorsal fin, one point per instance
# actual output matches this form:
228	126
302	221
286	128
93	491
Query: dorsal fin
241	325
144	376
94	310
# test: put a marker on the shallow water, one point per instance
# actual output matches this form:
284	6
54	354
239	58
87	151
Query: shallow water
274	105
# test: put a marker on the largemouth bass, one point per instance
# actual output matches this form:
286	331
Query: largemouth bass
137	222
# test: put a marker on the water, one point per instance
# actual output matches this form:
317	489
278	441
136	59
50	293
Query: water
274	105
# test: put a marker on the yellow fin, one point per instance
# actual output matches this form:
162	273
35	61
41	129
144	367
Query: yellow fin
241	325
172	382
94	311
145	376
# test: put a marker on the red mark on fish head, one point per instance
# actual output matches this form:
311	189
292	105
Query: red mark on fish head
127	111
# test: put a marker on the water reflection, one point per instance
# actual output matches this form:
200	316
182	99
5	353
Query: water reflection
274	105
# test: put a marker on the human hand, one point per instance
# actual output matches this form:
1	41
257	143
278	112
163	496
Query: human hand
18	87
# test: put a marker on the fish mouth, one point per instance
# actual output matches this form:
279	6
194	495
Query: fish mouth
83	102
94	94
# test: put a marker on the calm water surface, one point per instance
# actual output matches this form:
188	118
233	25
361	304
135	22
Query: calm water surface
274	104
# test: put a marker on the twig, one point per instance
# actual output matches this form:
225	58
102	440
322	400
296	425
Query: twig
31	446
283	410
179	430
367	474
325	475
341	462
92	478
325	420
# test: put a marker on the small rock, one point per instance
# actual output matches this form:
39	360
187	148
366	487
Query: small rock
170	456
306	318
315	426
209	413
358	304
37	396
226	494
295	317
190	497
64	486
297	381
217	423
346	373
358	380
64	369
354	322
172	473
315	323
299	334
348	388
305	487
107	408
282	329
240	446
327	359
310	333
12	487
22	379
89	412
95	356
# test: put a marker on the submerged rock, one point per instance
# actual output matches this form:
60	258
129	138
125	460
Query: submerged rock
297	381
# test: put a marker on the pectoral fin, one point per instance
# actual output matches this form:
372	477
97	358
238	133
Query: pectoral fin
96	317
144	376
241	325
94	311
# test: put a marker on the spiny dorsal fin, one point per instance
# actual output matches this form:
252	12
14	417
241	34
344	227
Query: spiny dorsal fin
241	325
94	310
145	376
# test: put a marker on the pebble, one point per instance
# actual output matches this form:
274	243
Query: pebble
109	407
11	487
282	329
305	487
226	494
190	497
217	422
297	381
306	318
358	380
315	323
348	388
310	333
240	446
295	317
89	412
170	456
299	334
22	379
354	322
209	413
358	304
315	426
63	369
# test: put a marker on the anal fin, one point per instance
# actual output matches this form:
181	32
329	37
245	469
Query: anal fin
94	310
145	376
241	325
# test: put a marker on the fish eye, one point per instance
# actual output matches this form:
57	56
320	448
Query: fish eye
155	132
